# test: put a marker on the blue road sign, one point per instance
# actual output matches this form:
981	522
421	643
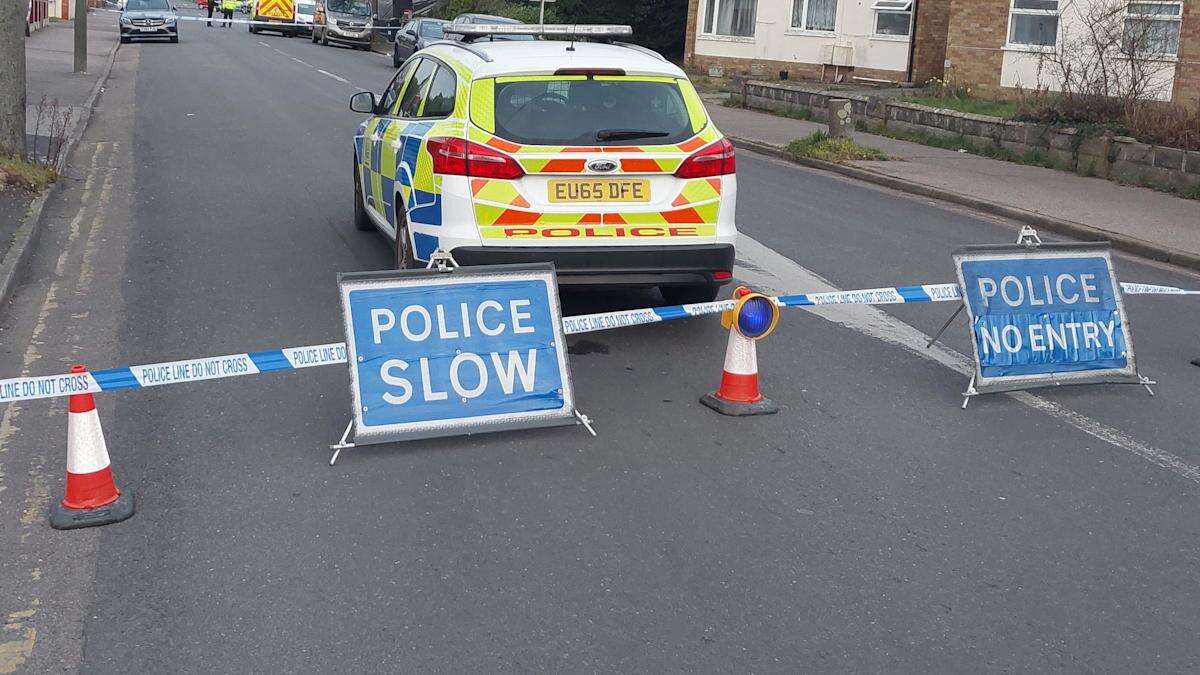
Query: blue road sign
1050	314
446	353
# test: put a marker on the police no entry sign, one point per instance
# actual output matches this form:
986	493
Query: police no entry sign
1044	315
445	353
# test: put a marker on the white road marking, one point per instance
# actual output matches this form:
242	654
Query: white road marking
263	43
768	270
303	63
339	79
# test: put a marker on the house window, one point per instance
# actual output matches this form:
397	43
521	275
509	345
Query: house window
1153	28
893	17
1033	23
814	14
730	17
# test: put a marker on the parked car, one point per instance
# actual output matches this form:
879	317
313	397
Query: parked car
305	9
488	19
599	158
344	22
142	19
415	36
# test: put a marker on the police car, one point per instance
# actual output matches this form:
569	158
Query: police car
594	155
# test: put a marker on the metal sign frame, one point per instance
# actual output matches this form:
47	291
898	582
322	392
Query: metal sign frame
981	384
371	434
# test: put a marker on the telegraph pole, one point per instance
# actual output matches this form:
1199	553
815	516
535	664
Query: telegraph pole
81	8
12	78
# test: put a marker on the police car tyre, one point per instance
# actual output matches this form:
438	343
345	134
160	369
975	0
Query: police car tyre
361	220
686	295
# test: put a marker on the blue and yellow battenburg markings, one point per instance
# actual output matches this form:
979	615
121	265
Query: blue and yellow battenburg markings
393	164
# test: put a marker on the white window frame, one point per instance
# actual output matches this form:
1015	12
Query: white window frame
804	19
1013	11
892	7
1177	18
716	11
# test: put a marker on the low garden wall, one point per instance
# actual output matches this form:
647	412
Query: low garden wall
1115	157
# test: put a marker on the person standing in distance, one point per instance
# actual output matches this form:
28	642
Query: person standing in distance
209	6
227	7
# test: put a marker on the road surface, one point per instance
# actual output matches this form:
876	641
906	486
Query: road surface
871	525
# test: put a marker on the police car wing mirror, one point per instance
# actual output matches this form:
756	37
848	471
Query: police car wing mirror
363	102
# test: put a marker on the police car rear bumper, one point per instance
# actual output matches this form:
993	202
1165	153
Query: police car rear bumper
684	265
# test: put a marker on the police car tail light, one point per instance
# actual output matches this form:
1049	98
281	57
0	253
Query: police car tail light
460	157
712	160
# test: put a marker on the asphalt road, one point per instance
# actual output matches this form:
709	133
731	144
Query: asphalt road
871	525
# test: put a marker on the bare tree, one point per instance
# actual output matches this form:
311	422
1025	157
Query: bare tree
12	77
1109	53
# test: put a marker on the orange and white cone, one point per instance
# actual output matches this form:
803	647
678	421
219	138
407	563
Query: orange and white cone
92	497
739	393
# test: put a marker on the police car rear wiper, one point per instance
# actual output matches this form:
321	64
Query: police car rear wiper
627	134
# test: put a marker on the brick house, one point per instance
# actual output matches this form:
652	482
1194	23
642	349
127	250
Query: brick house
997	44
840	40
992	44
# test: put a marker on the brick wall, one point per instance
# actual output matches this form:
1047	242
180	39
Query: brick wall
929	55
689	39
976	33
1187	73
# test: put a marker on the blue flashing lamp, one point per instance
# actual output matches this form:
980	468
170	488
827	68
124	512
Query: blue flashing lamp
756	317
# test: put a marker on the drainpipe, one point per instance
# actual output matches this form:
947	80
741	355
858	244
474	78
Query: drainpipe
912	40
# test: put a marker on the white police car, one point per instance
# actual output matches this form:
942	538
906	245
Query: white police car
595	155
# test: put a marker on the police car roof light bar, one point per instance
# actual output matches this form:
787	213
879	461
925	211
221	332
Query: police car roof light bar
578	30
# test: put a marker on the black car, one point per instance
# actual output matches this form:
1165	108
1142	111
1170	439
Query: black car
149	19
414	36
484	18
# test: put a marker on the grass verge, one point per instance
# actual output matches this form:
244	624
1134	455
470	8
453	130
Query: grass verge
26	175
819	145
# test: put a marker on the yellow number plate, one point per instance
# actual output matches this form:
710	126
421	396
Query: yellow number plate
629	190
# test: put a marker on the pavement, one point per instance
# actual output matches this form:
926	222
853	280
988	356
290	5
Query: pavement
1149	222
60	102
50	76
872	525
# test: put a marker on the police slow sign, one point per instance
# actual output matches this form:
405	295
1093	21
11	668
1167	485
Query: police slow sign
445	353
1044	315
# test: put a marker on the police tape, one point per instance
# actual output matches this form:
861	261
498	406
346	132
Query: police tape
311	356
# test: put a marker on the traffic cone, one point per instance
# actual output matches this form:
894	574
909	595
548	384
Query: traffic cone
92	498
739	394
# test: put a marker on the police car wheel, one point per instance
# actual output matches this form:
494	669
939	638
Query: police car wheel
361	221
686	295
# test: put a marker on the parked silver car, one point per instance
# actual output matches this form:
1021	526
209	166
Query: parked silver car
142	19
